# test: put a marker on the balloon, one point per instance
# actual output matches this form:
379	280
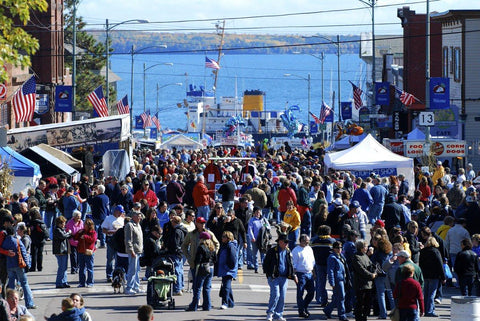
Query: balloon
290	121
232	125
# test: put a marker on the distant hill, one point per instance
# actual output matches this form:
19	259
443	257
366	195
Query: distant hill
233	43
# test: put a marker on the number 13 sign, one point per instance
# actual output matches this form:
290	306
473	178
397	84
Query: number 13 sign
426	118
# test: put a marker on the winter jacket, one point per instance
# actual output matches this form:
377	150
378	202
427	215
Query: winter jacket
60	241
431	263
190	245
361	268
454	238
12	243
336	269
88	241
466	263
151	249
292	217
201	196
322	248
227	260
133	238
271	261
285	195
38	232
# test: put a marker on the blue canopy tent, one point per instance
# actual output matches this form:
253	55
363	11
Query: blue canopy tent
27	173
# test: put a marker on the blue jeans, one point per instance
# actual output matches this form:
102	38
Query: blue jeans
203	211
382	286
49	217
305	283
338	300
85	207
133	280
255	251
62	261
110	258
249	252
429	290
98	228
278	290
178	265
85	264
374	213
240	250
292	238
202	283
16	273
228	205
321	295
266	213
408	315
227	293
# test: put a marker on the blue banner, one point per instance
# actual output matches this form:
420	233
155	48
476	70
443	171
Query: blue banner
138	122
153	133
382	93
383	172
439	93
63	99
313	127
346	110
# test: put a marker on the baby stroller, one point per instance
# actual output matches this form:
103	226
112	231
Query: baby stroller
160	283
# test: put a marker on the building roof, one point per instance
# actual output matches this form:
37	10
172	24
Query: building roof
446	15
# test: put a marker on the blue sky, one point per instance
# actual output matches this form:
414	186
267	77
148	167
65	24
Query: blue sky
333	17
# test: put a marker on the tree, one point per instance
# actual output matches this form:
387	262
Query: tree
16	45
89	63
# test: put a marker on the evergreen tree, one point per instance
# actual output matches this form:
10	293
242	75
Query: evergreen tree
89	62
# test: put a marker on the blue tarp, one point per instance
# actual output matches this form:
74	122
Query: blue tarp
416	134
20	165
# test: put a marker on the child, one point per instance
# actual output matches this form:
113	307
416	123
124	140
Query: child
69	312
476	244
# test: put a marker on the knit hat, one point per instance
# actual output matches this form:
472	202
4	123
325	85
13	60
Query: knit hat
205	236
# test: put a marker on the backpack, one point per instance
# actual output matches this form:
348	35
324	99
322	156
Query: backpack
263	238
60	206
118	240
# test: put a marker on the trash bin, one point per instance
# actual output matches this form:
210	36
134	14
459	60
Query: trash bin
465	308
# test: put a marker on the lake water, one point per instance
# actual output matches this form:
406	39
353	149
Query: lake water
240	72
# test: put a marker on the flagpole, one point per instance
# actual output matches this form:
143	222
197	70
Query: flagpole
427	75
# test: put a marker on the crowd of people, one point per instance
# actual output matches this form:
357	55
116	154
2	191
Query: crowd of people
377	247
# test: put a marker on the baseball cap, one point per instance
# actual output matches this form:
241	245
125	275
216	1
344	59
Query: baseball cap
380	223
403	254
355	204
439	163
119	208
201	220
282	237
338	201
137	205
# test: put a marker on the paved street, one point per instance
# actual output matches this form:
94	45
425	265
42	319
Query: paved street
250	292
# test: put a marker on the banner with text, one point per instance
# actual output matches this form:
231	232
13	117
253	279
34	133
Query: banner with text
383	172
63	99
382	93
439	93
454	148
346	110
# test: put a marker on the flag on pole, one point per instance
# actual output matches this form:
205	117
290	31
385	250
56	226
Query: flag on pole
23	102
304	142
98	102
210	63
324	112
315	118
406	98
147	120
156	121
357	96
122	106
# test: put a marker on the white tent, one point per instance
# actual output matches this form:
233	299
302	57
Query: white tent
181	142
371	156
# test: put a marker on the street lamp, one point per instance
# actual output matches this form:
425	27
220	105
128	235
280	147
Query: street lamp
160	87
336	43
308	79
145	68
371	4
132	53
107	50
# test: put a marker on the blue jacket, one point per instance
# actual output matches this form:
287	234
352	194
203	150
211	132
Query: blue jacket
227	259
363	197
335	269
69	315
10	243
99	206
70	204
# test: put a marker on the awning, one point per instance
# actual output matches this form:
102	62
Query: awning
61	155
49	164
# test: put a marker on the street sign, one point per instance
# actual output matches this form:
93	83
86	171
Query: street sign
426	118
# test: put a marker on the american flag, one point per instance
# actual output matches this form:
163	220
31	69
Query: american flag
315	118
324	112
357	96
122	106
147	120
406	98
156	121
304	142
23	102
210	63
98	102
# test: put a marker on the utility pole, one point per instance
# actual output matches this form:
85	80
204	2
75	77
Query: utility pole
74	58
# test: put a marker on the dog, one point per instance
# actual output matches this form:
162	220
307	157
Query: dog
118	280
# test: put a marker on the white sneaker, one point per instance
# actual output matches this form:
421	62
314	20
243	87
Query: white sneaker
270	316
224	307
280	319
437	301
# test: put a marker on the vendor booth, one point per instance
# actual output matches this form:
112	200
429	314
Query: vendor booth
181	142
27	173
370	156
49	164
61	155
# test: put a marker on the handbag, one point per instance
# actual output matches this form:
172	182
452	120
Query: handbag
21	261
395	314
448	272
203	269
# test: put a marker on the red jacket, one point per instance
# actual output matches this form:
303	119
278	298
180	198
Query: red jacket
88	241
285	195
407	292
201	196
151	197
